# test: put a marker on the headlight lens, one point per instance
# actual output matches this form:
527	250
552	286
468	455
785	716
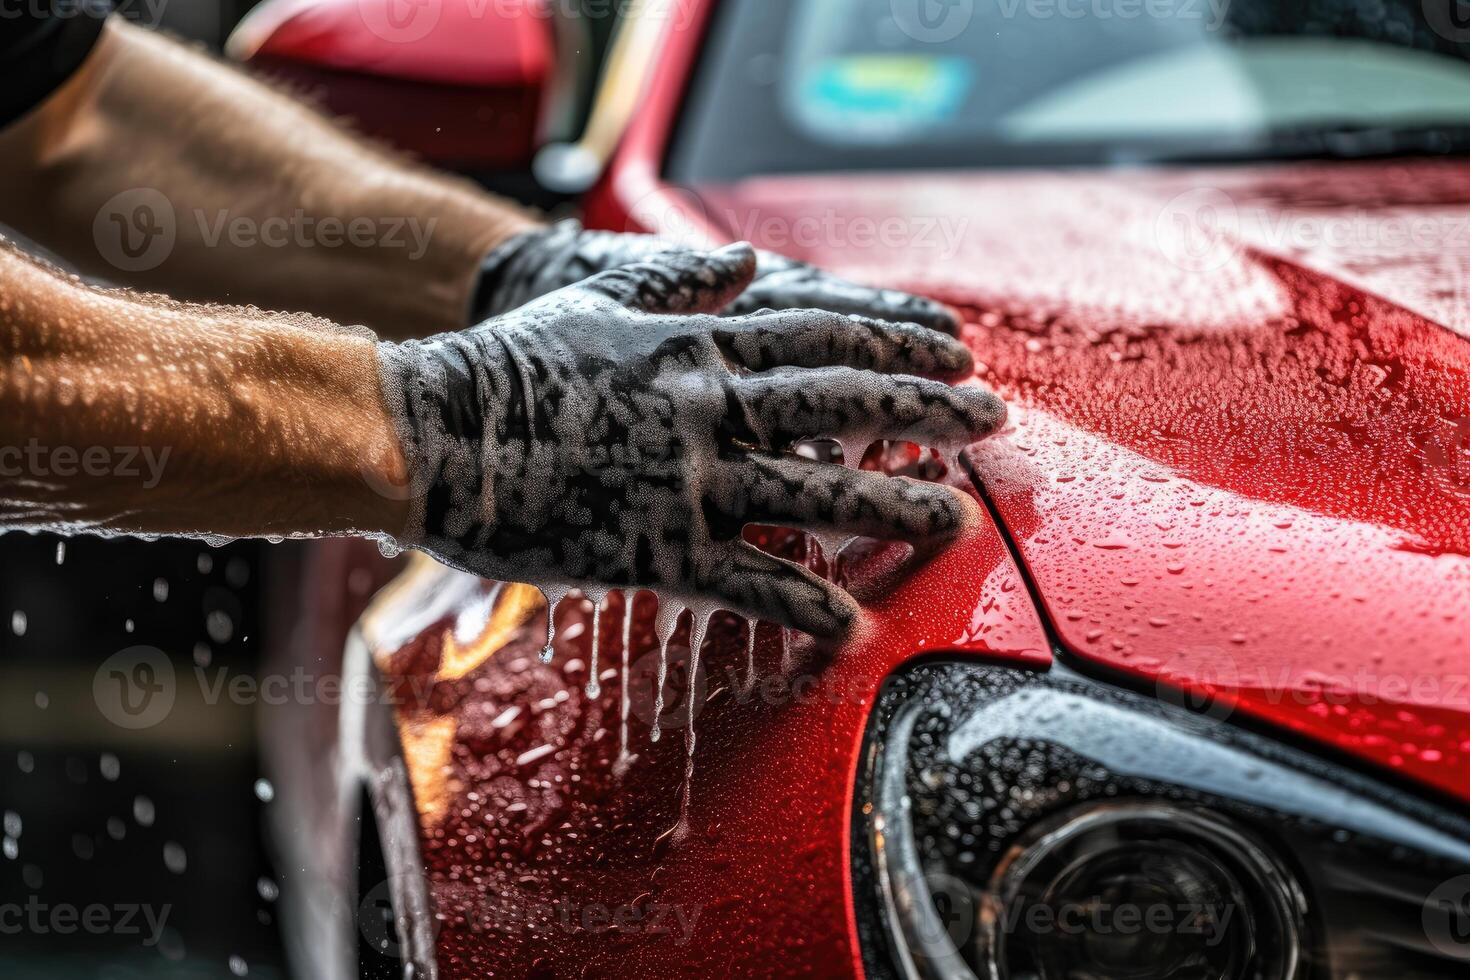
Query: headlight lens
1013	826
1142	891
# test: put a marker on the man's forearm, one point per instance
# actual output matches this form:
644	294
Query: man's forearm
160	168
132	414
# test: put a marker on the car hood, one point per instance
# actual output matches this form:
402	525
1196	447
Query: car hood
1238	463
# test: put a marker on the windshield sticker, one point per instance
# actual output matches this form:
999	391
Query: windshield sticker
878	95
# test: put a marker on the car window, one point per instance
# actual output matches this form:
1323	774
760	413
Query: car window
816	85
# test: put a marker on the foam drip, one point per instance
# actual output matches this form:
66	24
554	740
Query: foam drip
749	657
623	758
594	687
554	596
698	626
665	621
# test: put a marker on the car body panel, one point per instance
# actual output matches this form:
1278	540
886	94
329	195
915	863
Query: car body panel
544	846
1232	469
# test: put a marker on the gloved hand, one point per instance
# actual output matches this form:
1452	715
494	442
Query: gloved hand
591	438
540	261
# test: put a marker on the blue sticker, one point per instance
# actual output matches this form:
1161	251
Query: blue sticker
879	93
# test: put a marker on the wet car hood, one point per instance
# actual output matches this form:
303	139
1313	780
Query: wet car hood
1238	464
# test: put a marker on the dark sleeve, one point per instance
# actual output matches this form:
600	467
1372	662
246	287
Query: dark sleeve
42	42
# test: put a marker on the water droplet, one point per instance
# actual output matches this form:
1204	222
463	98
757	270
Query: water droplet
18	623
264	791
219	626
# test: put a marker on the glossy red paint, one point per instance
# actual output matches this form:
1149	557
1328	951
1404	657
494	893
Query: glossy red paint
450	42
1232	469
458	82
1256	380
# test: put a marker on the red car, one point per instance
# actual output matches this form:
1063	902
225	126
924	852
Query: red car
1193	702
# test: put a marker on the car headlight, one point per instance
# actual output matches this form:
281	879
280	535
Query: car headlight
1020	826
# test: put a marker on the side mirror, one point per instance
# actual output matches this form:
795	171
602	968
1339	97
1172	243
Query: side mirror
459	83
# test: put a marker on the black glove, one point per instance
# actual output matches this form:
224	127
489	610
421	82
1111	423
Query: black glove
540	261
591	439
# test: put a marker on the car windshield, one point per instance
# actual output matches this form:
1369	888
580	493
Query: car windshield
823	85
